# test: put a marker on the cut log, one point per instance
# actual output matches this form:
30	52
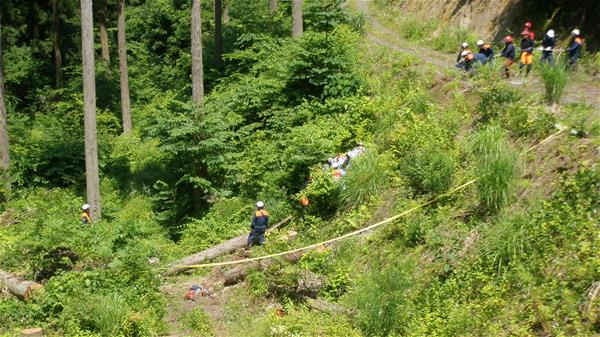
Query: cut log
226	247
328	307
33	332
239	273
17	286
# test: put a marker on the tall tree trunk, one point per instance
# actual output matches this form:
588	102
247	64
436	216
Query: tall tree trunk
104	36
197	72
273	4
33	24
226	17
5	156
89	106
297	18
218	32
56	41
124	75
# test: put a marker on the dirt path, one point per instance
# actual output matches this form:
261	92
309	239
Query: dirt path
578	89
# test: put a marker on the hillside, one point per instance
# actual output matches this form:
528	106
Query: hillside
468	206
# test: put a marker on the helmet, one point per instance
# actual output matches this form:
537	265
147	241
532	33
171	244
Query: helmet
464	45
550	33
508	39
464	53
480	43
575	32
260	204
528	24
85	207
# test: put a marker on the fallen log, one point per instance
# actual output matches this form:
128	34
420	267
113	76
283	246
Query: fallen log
226	247
15	285
239	273
327	307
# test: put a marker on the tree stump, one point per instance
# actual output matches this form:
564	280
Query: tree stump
33	332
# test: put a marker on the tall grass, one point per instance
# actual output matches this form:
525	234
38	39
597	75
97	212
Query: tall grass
381	299
429	169
495	163
555	79
447	38
367	176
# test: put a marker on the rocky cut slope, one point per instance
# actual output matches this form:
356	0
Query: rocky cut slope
494	18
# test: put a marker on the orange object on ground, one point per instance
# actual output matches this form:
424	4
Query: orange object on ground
304	201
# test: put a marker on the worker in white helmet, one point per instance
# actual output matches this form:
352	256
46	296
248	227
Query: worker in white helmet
259	224
86	218
463	46
486	50
575	49
548	44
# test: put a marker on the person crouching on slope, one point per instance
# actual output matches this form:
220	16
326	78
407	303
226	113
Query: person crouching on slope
526	52
86	218
260	222
548	44
509	54
463	47
487	50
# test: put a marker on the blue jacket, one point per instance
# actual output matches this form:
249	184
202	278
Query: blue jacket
260	219
527	45
548	42
488	51
575	49
481	58
509	51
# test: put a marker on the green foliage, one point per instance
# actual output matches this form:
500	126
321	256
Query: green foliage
429	169
447	39
425	152
322	191
495	99
381	299
495	162
199	322
367	176
555	79
258	284
105	314
527	120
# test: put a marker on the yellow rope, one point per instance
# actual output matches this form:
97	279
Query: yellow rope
356	232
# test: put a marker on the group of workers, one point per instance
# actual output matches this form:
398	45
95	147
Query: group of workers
466	59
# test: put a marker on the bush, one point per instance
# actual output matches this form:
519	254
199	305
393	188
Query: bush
528	119
381	299
495	99
495	163
199	322
429	169
367	176
555	79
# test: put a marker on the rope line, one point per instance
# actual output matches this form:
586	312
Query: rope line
358	231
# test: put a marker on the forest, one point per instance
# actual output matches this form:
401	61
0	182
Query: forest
406	197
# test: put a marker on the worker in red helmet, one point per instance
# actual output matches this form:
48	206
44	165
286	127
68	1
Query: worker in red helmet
528	28
526	50
509	54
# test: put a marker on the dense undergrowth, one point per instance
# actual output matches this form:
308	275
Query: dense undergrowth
514	254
